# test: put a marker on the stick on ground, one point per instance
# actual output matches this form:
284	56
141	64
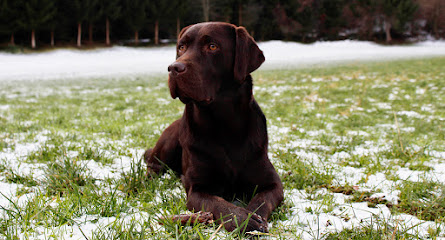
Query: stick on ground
190	218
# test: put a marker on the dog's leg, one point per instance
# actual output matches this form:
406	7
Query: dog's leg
225	212
266	201
167	151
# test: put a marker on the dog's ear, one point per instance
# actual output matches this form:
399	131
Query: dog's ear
183	31
248	57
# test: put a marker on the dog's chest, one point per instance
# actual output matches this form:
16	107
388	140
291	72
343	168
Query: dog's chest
233	168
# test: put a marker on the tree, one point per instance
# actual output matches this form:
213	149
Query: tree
369	16
311	17
228	11
158	9
298	18
286	22
180	10
395	13
239	5
360	17
248	14
111	10
54	22
433	12
331	19
206	10
9	13
34	14
78	10
135	15
92	13
267	27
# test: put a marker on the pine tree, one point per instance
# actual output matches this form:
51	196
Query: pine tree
331	14
92	13
395	14
54	22
360	16
206	9
79	13
267	27
405	13
135	15
300	18
157	10
111	10
9	13
34	14
239	5
181	8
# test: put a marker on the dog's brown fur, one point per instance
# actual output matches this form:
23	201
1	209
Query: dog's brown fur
219	145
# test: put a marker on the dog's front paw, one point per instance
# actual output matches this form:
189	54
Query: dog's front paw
245	221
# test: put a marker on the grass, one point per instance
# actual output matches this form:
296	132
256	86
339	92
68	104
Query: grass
340	137
425	199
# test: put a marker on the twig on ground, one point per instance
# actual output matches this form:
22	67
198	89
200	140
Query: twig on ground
190	218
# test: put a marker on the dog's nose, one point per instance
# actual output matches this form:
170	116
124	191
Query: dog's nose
176	67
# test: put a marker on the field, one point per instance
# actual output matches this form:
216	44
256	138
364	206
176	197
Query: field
360	149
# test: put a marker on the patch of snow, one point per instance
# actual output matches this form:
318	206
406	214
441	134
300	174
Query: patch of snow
410	114
369	149
420	91
302	143
340	156
437	154
127	61
427	108
358	133
281	54
314	223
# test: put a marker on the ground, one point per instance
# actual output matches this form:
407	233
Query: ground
359	147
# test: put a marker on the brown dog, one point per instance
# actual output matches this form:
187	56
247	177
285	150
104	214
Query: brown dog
219	145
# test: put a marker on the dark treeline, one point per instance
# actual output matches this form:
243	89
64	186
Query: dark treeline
87	22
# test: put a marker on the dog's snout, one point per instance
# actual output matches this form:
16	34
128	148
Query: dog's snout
176	67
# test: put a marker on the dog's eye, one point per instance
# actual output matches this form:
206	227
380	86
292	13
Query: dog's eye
181	48
212	47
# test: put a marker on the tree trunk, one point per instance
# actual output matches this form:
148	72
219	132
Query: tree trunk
90	33
33	38
435	28
435	20
388	31
205	9
157	32
435	17
12	41
240	14
178	27
316	23
79	34
136	37
52	38
107	31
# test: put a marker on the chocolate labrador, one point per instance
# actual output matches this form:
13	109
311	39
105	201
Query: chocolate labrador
219	145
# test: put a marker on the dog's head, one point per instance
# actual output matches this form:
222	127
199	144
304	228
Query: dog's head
211	57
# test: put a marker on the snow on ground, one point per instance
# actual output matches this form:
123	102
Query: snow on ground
288	54
117	61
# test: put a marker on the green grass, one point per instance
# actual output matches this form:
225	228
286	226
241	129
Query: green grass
71	151
424	199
